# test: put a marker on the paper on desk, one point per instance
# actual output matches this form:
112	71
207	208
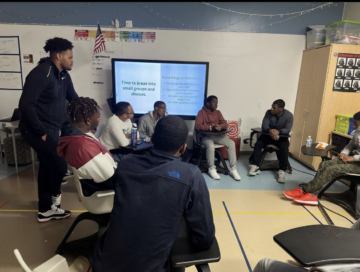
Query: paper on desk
321	145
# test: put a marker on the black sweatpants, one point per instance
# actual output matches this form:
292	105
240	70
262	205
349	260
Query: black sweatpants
52	168
282	154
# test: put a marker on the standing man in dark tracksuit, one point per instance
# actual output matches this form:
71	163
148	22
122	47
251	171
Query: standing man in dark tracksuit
42	106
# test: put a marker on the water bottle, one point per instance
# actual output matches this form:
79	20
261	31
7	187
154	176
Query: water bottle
308	141
134	134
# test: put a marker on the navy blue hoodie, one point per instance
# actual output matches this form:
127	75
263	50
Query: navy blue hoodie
43	100
152	194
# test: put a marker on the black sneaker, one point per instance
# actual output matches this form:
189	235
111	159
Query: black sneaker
54	213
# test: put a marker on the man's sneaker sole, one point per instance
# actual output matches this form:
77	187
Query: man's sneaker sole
288	197
254	173
64	182
312	203
44	219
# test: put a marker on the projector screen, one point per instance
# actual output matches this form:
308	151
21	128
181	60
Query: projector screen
181	85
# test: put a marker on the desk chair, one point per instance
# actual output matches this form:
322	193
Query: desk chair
265	164
55	264
321	245
99	206
199	151
349	200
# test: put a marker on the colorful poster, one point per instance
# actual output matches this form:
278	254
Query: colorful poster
347	73
124	36
81	35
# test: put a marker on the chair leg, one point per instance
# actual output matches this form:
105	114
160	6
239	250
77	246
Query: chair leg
203	268
101	219
263	155
220	157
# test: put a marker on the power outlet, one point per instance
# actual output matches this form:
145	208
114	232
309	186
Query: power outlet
129	24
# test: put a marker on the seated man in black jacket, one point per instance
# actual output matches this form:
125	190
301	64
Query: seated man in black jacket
153	192
277	121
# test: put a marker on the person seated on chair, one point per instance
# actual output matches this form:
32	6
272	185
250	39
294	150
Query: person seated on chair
211	119
92	162
148	121
153	192
117	131
277	121
269	265
330	169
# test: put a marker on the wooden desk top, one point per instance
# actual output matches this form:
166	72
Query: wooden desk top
342	134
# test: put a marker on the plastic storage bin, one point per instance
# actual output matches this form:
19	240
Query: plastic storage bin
344	123
343	32
315	37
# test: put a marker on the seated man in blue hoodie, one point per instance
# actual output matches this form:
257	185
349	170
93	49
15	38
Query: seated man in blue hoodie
153	192
91	161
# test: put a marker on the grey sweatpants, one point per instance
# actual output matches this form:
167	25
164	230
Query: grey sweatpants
209	141
268	265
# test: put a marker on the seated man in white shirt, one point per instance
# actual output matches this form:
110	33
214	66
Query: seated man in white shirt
91	161
117	131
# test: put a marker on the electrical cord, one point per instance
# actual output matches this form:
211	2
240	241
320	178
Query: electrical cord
302	171
336	213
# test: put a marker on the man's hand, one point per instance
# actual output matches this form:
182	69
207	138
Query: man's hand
127	135
341	156
348	159
218	127
44	137
274	133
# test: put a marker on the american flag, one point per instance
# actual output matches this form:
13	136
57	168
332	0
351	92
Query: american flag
99	42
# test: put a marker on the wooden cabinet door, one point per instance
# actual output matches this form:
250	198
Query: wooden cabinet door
306	73
315	99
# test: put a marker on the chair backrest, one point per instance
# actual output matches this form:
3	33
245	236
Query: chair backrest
99	202
55	264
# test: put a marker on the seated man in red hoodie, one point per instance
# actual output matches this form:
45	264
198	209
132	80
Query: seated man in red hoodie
210	119
91	161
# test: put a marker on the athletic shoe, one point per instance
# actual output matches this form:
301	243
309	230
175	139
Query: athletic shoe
212	172
307	199
280	176
54	213
56	200
63	182
296	193
234	173
254	170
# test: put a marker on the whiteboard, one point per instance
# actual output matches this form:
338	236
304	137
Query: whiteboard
9	45
10	63
247	72
10	81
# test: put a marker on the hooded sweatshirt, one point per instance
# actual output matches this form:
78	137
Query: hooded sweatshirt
206	118
92	162
353	146
147	125
43	100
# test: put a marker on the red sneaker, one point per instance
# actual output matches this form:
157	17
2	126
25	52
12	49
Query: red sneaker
307	199
291	194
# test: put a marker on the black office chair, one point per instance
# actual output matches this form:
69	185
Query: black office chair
265	164
318	245
349	200
198	155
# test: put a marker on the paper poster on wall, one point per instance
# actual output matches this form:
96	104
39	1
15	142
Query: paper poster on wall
10	63
101	62
28	59
101	80
347	73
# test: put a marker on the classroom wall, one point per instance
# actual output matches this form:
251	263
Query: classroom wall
247	71
351	11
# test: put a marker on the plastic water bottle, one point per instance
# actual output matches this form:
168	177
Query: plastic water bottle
308	141
134	134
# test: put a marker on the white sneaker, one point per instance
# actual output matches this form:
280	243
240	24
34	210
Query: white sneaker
56	200
54	213
234	173
212	172
254	170
280	176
